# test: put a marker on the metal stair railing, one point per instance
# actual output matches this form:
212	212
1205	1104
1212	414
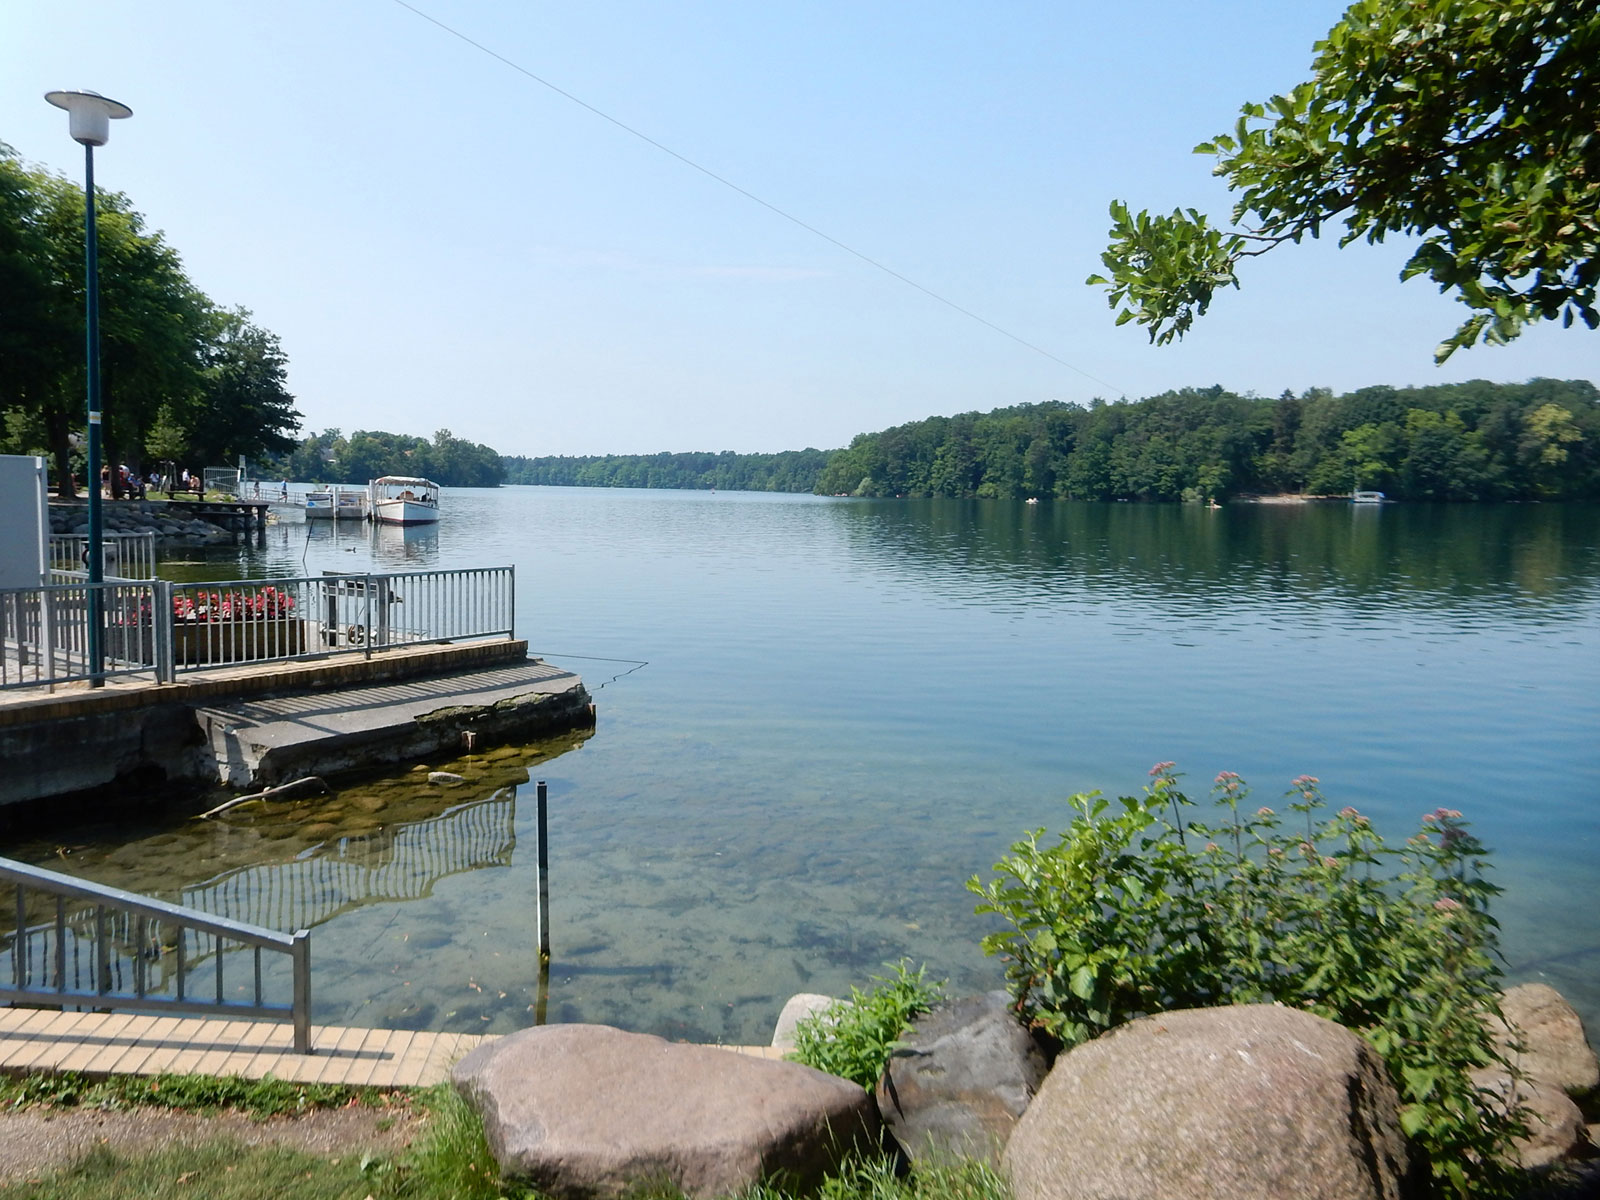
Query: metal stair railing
139	951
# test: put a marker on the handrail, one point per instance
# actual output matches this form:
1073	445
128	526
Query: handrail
163	627
142	909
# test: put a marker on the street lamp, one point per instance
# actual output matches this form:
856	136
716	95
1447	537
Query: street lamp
90	125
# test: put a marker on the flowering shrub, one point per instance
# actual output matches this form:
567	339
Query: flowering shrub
1145	910
259	605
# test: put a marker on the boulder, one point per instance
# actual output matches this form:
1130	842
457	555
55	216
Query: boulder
796	1009
1556	1129
1254	1101
959	1080
583	1111
1554	1050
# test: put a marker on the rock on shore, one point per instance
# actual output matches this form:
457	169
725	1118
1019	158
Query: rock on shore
172	530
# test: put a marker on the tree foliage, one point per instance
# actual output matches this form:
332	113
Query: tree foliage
1466	441
330	457
789	471
180	378
1472	125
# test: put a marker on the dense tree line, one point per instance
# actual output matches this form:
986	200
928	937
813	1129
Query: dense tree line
789	471
330	457
1466	441
182	379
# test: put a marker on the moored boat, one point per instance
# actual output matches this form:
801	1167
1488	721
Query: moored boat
403	500
336	504
1367	497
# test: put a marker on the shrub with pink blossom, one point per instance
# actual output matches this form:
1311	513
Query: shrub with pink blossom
1140	908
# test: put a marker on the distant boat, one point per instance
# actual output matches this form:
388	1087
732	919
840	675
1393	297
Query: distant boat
403	500
1367	498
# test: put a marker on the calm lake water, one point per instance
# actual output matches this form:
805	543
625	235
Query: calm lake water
847	708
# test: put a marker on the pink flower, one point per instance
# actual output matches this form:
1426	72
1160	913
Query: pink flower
1264	811
1212	847
1275	852
1347	812
1304	781
1161	768
1330	863
1446	905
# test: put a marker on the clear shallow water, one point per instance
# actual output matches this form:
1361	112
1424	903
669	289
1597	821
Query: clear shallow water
851	707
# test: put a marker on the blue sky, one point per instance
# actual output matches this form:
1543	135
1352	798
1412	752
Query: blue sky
442	242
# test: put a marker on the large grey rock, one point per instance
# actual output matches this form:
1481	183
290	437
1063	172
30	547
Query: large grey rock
583	1111
1554	1050
959	1080
1556	1129
1214	1104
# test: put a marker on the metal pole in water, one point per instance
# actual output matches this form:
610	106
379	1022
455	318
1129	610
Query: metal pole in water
543	795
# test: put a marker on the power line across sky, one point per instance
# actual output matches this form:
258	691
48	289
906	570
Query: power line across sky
441	245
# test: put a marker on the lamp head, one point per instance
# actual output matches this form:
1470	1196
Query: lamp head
91	115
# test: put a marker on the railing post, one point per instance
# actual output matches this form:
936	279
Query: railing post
367	622
300	953
511	601
543	795
161	618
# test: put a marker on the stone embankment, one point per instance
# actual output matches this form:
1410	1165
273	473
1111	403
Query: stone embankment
1253	1101
172	530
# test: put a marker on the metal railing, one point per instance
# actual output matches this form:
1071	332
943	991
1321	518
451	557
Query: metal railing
163	628
44	632
126	556
99	947
266	620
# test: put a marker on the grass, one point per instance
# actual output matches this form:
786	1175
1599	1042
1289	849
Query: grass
853	1038
260	1098
216	1170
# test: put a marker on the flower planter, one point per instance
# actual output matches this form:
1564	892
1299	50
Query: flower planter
195	642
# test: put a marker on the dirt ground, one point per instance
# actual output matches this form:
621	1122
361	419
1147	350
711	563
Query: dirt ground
38	1140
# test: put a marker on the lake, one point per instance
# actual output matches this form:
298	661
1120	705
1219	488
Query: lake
817	718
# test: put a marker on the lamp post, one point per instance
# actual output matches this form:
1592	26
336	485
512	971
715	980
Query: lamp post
90	125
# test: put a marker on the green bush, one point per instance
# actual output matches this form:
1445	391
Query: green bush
1137	909
853	1038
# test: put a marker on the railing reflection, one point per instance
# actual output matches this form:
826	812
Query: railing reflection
82	946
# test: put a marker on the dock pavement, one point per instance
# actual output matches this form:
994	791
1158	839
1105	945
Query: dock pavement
98	1044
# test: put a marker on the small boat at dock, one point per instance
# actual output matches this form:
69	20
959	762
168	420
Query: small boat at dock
403	500
336	504
1367	498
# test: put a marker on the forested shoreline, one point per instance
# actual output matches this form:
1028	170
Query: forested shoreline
1466	441
788	471
1463	441
330	457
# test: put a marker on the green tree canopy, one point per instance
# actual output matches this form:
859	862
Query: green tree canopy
181	378
1473	125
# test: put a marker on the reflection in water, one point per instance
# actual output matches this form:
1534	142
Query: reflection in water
396	862
1402	555
404	547
386	865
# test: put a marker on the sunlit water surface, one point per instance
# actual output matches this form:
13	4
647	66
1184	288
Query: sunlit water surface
850	707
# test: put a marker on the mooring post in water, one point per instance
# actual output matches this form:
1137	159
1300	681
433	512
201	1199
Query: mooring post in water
543	795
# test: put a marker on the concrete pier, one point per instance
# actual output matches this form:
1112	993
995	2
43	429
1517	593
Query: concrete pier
250	727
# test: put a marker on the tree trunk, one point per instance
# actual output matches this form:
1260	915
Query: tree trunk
56	431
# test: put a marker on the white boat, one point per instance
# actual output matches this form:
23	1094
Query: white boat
336	504
403	500
1366	498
